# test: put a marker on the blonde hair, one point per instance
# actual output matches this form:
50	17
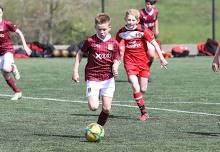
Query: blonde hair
102	18
133	12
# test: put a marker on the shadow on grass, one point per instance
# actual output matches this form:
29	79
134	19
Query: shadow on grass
121	81
96	115
212	134
81	138
62	136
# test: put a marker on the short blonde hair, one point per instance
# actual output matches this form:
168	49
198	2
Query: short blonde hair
102	18
133	12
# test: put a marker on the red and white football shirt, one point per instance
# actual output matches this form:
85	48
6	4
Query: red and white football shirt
148	19
5	40
101	54
135	46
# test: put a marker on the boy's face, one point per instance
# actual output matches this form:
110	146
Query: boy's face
131	21
103	30
148	6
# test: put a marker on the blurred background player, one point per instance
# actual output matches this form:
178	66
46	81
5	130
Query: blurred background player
149	19
101	67
7	51
215	63
136	59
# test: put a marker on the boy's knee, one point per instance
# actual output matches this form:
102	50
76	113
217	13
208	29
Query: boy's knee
93	108
7	69
106	109
143	90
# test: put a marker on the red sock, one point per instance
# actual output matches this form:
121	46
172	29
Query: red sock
140	102
12	84
103	117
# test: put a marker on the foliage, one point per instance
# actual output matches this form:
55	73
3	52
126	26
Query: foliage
44	20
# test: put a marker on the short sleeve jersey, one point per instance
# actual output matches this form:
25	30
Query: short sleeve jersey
5	40
101	55
148	19
135	45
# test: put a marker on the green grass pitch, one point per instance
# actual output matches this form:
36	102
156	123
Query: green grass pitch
183	102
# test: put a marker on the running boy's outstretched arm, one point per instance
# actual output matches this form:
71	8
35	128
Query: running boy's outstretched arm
75	76
215	63
163	62
26	48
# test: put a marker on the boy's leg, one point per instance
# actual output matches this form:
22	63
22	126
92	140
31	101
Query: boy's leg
92	93
93	102
107	93
15	72
12	84
106	108
138	97
7	68
143	84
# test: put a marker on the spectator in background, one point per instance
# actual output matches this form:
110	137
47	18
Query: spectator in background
149	19
7	51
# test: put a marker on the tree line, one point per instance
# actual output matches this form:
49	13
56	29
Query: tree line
49	21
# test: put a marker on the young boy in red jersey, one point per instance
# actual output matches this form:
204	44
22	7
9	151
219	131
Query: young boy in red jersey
7	65
101	68
136	57
149	19
215	63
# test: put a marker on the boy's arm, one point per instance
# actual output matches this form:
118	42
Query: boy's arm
115	67
215	62
163	62
156	28
26	48
75	76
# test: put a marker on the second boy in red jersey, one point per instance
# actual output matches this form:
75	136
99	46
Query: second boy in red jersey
102	66
149	16
7	51
136	58
149	19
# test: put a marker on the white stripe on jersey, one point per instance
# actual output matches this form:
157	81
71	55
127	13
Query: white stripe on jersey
131	35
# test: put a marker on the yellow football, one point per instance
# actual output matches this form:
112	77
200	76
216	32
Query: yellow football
94	132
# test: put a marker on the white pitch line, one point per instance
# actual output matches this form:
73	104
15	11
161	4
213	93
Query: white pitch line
202	103
119	105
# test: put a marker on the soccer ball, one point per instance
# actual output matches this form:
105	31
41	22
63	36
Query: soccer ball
94	132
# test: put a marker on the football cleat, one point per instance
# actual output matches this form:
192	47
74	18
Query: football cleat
143	117
16	96
15	72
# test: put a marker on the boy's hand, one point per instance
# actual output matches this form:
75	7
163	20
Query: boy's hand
115	68
75	77
27	50
215	67
163	64
215	64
